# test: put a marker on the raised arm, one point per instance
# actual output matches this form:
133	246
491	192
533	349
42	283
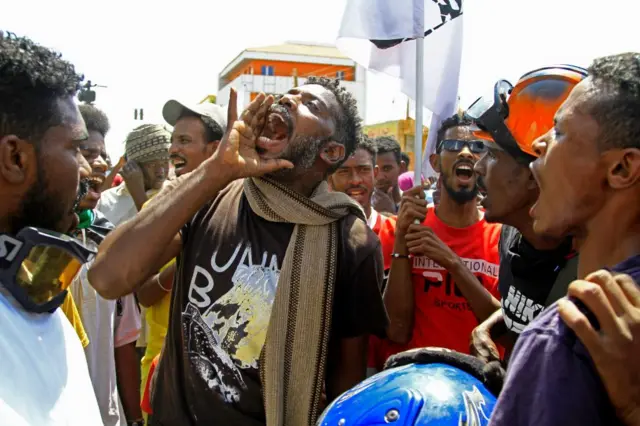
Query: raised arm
399	293
138	248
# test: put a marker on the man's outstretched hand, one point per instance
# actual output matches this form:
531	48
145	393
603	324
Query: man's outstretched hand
236	155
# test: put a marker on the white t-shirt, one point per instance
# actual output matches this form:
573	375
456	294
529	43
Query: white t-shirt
109	324
373	218
44	379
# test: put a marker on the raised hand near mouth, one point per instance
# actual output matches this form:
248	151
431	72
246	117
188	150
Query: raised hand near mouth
134	179
237	153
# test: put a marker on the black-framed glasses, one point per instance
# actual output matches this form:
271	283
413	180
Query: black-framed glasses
37	266
456	145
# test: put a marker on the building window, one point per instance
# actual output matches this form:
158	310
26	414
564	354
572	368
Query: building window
267	70
340	75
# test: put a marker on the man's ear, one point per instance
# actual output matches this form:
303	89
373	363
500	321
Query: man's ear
403	167
625	171
17	156
434	159
332	153
376	170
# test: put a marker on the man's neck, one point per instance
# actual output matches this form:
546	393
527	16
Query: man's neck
606	242
301	184
367	210
457	215
523	222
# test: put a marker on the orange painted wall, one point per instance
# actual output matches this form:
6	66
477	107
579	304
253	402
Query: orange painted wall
285	69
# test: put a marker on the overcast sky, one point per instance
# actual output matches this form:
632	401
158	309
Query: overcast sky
147	52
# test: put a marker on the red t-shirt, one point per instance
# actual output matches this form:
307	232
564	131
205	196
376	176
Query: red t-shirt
443	318
379	221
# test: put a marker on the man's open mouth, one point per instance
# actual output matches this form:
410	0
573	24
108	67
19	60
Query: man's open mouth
95	183
356	192
464	171
178	162
83	188
277	130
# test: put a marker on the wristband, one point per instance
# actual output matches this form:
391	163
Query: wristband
401	256
160	284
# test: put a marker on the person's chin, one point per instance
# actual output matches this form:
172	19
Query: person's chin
549	228
360	197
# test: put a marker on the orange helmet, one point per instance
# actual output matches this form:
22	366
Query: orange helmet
518	115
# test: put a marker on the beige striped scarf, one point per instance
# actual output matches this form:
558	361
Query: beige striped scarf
293	360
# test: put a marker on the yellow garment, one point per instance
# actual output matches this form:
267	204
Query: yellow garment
157	323
157	317
71	311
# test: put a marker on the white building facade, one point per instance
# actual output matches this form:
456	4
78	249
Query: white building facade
275	69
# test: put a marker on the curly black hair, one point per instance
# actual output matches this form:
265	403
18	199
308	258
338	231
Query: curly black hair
456	120
95	119
386	144
32	79
616	101
365	142
348	124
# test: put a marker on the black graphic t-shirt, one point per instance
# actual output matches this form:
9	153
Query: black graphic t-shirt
526	277
225	286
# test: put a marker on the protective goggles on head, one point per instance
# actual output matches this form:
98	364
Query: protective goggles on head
489	114
456	145
37	266
514	117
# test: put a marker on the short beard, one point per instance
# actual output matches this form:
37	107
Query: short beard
303	152
40	207
461	196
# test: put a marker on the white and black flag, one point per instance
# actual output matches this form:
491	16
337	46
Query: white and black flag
380	35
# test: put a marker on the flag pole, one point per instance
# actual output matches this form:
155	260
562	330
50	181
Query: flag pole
417	148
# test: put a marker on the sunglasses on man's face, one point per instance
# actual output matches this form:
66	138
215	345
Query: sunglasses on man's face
456	145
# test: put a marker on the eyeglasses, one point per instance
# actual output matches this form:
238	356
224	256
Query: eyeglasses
37	266
456	145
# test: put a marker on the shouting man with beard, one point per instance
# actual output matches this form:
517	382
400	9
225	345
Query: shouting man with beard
43	375
278	284
443	272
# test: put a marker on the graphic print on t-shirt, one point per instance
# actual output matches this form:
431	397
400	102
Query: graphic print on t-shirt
225	335
517	306
435	276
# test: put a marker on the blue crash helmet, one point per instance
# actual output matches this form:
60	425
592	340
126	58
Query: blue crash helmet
416	394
